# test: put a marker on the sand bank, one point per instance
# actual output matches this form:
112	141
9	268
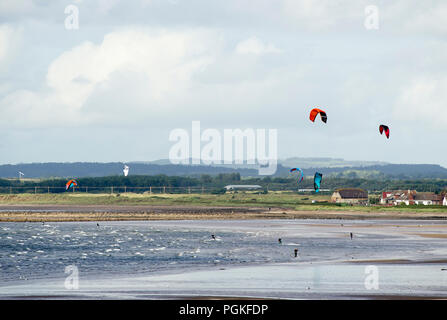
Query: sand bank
39	213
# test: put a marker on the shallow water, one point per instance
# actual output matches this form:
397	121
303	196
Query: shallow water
36	250
33	252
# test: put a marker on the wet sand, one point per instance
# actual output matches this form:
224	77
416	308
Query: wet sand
39	213
409	265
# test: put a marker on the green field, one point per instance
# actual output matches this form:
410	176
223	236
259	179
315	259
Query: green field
288	200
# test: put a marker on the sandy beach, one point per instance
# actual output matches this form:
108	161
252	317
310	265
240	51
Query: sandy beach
69	212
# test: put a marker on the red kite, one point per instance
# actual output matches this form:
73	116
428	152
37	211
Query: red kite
384	128
315	112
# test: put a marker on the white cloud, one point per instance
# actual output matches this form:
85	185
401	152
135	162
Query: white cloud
167	60
104	6
400	16
255	46
323	14
415	17
16	7
9	40
111	73
423	100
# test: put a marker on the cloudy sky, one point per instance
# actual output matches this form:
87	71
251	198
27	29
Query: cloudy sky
113	89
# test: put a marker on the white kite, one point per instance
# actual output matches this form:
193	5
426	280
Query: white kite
126	170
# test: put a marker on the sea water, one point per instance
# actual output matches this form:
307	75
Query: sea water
30	251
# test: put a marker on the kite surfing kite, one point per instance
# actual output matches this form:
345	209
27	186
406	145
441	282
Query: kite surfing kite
126	170
315	112
383	128
70	184
298	170
317	181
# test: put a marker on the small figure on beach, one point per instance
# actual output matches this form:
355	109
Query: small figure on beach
97	224
279	241
296	252
213	236
350	234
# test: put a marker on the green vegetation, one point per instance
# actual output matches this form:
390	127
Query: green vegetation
289	200
212	184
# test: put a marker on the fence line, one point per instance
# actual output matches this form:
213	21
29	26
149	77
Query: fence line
147	190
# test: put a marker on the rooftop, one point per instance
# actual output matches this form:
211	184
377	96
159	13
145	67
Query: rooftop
353	193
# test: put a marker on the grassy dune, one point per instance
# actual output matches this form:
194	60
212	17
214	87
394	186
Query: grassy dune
287	200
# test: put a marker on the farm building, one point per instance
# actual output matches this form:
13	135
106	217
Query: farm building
411	197
353	196
242	187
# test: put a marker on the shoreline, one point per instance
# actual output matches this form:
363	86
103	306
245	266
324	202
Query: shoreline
238	282
330	266
72	213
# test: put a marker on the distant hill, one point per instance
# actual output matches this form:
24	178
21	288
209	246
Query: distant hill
386	171
303	163
93	169
306	163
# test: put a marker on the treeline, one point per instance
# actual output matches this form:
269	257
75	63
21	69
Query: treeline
131	181
223	179
89	169
332	183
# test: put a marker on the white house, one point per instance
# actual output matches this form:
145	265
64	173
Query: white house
398	197
411	197
444	202
427	198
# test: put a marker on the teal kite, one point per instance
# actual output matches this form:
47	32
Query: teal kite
317	181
